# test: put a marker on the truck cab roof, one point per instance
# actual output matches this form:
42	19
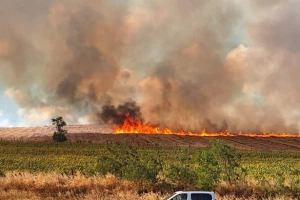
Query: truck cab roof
192	195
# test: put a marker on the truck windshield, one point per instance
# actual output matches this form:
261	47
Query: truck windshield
168	197
182	196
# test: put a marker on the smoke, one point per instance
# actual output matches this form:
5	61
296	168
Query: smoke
117	115
63	54
192	65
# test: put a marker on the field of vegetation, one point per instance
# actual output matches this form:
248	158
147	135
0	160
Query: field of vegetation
100	171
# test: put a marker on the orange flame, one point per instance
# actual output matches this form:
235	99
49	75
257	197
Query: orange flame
131	126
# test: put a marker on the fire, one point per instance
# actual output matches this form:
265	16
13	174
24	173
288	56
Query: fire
131	126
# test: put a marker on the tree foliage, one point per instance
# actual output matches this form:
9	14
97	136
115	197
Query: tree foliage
181	171
188	168
60	133
125	161
219	162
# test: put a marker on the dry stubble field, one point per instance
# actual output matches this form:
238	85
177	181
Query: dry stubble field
102	134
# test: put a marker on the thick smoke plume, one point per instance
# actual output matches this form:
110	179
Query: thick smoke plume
188	64
117	115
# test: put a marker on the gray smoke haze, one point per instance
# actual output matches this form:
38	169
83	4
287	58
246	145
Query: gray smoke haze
219	64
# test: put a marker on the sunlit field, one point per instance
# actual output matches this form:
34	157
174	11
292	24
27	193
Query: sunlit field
75	170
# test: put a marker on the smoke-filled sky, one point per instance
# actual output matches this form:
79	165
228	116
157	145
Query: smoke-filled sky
218	64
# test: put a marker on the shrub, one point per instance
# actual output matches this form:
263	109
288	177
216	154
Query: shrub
181	171
219	162
209	171
126	162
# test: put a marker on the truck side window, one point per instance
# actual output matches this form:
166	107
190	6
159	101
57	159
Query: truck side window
196	196
180	197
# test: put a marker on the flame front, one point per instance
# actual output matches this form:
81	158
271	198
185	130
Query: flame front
131	126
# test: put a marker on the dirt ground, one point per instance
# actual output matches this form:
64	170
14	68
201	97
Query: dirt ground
103	134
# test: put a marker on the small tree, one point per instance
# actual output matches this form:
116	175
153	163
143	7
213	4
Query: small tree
230	161
219	162
60	134
208	170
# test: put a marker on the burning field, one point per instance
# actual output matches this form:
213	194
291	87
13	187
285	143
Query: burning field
125	123
188	66
132	126
147	135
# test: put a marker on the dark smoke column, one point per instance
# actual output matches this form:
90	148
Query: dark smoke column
117	115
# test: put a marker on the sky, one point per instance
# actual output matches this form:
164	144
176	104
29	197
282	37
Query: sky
219	65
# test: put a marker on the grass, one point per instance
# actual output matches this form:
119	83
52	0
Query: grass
77	186
52	186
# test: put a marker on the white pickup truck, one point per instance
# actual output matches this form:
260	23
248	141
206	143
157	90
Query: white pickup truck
192	195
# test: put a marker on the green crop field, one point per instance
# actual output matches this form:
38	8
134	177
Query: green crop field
82	157
267	173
